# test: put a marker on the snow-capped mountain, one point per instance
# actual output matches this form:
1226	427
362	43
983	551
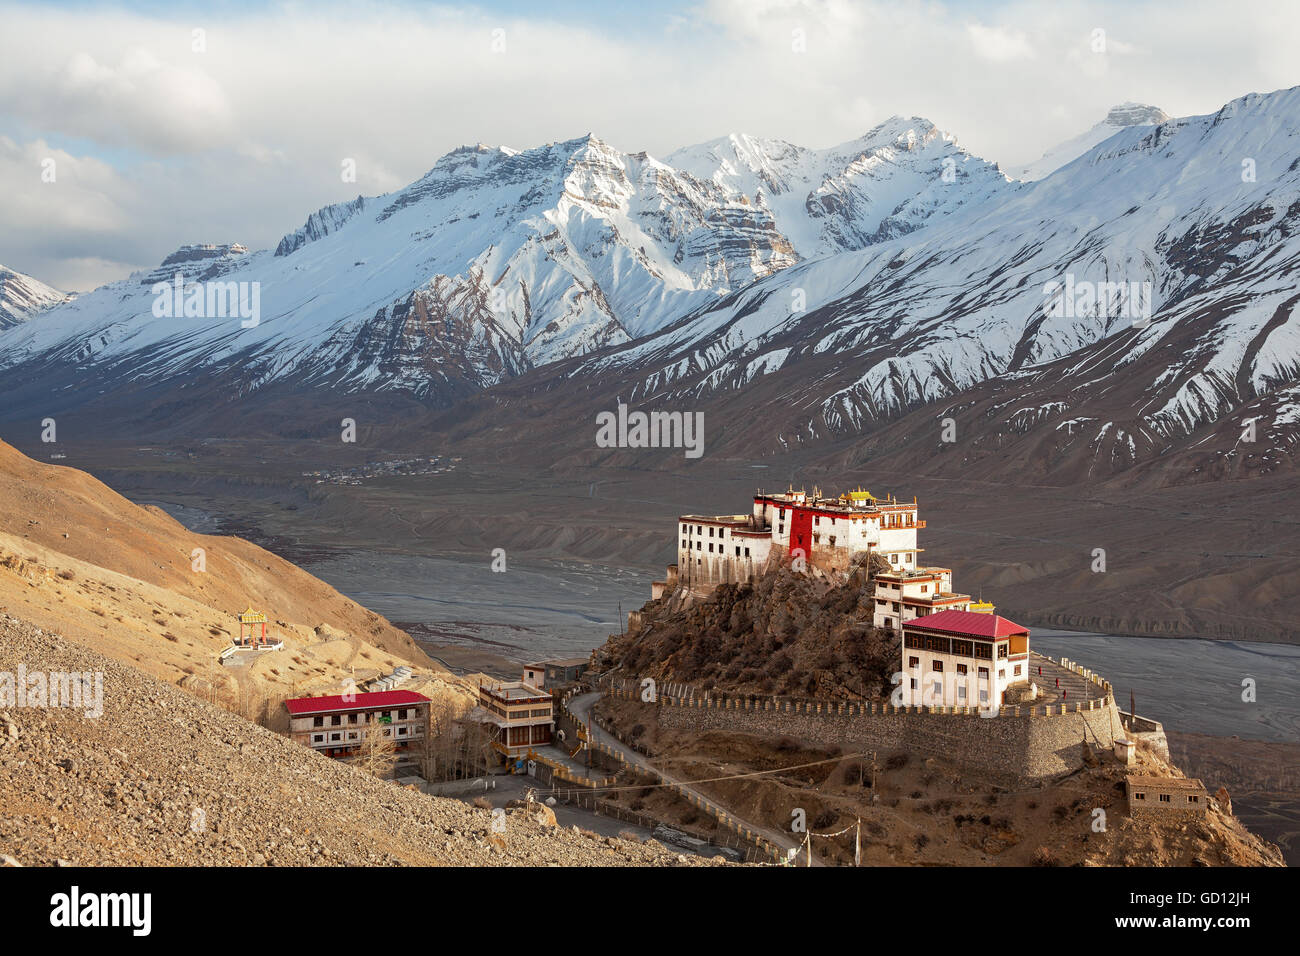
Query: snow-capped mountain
1160	264
1138	300
497	261
1120	117
22	297
895	179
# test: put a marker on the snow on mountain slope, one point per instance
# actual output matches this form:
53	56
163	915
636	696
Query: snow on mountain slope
1157	223
22	297
888	183
1120	117
498	260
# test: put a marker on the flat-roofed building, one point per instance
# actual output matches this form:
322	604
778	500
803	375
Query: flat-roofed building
553	673
337	725
904	595
962	659
1166	797
523	716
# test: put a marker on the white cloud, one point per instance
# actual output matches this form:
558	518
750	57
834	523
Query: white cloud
242	141
999	44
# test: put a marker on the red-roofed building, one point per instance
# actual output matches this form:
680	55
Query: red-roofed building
337	725
962	659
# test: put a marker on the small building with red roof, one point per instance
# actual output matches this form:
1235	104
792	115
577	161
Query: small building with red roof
962	659
337	725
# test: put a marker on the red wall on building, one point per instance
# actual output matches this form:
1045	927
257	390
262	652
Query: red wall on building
801	532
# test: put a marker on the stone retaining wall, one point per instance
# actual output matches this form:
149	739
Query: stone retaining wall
1021	745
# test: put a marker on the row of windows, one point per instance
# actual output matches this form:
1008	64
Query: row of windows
337	736
937	666
699	546
336	720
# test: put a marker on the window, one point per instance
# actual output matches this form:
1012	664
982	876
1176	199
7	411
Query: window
318	721
710	535
961	668
1017	670
401	715
747	552
984	697
893	559
1002	673
699	546
1139	795
913	683
961	692
925	588
938	689
318	738
352	718
737	550
1164	798
699	529
984	673
710	547
936	666
683	544
1193	798
334	737
914	662
1002	651
336	720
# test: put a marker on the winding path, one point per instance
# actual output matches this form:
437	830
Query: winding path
580	706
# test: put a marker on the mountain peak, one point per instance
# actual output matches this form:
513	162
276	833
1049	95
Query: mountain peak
22	297
1123	116
1136	114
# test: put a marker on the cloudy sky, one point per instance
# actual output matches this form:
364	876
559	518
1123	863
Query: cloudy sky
167	123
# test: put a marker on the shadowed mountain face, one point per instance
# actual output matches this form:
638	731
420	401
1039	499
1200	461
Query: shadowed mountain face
1074	363
1135	305
498	261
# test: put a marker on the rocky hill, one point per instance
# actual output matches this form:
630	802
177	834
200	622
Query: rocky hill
786	633
162	778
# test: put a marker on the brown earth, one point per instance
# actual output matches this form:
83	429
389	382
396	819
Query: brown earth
787	633
80	559
926	812
164	778
1217	562
1263	777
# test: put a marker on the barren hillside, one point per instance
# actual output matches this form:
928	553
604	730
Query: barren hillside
162	778
133	583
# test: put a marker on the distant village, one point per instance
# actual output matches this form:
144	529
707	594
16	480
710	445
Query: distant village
396	467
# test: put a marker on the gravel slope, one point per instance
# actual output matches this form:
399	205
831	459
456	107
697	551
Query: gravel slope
162	778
